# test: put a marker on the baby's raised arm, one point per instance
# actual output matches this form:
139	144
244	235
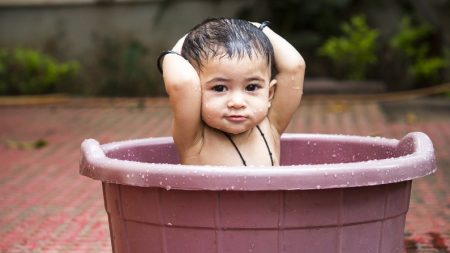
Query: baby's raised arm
183	86
289	88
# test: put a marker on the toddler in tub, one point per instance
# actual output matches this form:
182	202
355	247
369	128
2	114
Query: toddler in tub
228	108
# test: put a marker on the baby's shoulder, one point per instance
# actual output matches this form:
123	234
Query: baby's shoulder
267	127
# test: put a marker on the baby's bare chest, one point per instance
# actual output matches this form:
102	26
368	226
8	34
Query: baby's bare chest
223	150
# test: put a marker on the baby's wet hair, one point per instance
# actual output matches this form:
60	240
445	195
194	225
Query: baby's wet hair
226	37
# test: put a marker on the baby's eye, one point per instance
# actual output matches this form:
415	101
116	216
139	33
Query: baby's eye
252	87
219	88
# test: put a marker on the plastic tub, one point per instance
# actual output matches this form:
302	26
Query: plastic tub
333	193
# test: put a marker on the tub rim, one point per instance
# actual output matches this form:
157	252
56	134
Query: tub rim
420	162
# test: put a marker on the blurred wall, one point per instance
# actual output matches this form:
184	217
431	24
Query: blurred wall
76	26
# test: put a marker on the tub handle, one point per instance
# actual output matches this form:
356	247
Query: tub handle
415	143
91	152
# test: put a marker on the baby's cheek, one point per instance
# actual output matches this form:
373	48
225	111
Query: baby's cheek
261	111
208	112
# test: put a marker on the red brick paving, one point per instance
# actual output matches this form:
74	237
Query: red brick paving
46	206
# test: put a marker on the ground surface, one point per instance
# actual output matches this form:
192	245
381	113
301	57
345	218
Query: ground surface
46	206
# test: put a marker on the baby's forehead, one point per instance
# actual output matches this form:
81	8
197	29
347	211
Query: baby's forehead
235	68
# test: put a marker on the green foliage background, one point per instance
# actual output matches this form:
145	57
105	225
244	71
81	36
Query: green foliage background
27	71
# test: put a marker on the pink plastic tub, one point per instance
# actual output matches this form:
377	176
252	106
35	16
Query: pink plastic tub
333	193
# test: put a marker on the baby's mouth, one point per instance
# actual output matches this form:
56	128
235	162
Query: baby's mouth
236	118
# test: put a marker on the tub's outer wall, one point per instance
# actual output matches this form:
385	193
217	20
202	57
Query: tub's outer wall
342	206
352	220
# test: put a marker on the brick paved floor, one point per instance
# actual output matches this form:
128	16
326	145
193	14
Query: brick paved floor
46	206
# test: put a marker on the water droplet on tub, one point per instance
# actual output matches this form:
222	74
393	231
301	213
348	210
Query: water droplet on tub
128	175
169	224
252	246
317	186
333	155
168	187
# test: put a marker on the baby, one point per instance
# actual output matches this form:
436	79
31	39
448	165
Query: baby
228	108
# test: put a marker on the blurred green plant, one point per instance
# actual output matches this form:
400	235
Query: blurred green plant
305	24
353	52
124	69
412	42
27	71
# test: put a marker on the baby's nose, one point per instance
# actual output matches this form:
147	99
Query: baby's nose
236	101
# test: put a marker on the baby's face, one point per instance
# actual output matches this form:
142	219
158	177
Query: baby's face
236	92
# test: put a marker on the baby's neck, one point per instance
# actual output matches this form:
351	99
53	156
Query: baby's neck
244	135
239	136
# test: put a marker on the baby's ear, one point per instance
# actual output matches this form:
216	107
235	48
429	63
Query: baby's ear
272	87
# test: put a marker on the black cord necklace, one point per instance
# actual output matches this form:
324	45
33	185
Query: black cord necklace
239	152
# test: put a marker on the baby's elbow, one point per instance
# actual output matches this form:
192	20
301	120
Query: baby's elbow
295	65
299	64
181	83
296	68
